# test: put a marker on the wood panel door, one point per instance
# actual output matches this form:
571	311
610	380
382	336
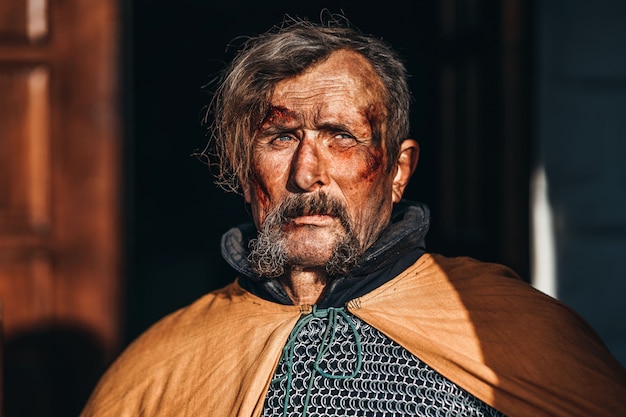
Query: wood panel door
60	167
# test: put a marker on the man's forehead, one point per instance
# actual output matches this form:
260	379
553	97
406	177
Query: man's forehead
343	89
316	115
344	75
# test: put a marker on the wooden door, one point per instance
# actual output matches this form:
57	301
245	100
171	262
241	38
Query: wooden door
59	167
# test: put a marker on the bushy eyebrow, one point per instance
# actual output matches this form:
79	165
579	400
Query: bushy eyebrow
278	116
349	126
333	127
275	129
352	125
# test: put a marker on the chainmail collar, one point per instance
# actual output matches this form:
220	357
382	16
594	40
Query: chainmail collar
402	242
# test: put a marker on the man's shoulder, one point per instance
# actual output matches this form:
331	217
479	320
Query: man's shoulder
459	272
488	292
209	317
201	343
188	325
465	267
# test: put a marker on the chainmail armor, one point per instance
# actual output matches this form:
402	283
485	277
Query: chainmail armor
335	364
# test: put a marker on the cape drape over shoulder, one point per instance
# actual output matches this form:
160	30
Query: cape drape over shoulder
477	324
515	348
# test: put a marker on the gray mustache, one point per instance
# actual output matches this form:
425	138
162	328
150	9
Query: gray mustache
317	204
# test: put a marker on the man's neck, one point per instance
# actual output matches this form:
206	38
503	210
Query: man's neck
304	286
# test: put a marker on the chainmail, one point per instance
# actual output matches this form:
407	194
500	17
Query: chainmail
334	364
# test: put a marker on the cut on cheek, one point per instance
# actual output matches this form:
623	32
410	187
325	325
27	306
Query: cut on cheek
258	191
372	167
375	115
359	162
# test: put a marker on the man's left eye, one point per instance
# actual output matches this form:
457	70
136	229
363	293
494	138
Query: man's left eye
345	139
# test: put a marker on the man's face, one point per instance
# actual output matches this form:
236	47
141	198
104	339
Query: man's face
317	151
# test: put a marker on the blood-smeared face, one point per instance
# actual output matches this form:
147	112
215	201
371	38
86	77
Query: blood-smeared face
318	182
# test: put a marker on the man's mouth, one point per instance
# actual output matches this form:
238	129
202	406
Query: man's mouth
313	220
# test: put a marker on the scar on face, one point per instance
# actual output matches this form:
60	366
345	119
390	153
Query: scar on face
277	115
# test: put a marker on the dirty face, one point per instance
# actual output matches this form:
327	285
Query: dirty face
320	144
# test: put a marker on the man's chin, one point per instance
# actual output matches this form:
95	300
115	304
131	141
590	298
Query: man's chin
308	255
335	253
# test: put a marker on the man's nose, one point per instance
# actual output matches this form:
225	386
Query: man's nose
308	168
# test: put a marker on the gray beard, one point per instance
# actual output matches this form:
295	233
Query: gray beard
268	256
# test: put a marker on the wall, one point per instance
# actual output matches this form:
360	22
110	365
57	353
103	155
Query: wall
580	113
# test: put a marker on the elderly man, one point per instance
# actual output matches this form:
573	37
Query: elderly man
337	308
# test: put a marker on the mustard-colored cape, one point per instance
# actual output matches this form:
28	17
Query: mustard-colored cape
479	325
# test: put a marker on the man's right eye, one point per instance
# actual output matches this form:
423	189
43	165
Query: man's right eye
282	139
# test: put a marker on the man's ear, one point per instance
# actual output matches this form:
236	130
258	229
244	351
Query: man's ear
407	162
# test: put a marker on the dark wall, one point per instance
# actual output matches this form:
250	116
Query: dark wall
580	125
175	214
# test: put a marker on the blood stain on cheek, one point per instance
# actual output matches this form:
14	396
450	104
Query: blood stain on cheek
258	187
373	162
363	162
374	114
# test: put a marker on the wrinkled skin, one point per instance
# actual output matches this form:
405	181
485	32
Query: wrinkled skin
321	135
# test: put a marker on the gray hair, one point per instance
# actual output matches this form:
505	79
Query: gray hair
244	88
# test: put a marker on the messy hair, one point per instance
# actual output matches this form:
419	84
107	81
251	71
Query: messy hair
242	96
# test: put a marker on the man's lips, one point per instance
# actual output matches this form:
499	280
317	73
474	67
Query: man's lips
313	220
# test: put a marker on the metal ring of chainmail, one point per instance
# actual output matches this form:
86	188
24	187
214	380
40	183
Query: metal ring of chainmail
334	364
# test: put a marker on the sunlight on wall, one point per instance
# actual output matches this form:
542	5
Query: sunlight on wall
543	262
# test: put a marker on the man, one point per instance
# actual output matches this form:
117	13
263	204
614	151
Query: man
337	308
